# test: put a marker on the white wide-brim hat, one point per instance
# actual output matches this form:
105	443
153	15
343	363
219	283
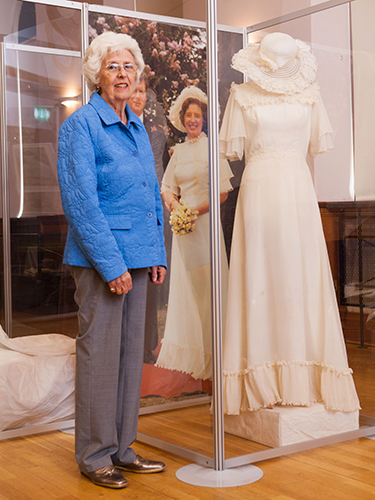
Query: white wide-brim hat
188	92
279	64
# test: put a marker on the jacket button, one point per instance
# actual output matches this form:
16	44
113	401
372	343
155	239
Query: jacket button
144	183
135	153
149	214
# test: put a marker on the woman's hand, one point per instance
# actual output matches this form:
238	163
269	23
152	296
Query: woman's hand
157	274
121	285
170	200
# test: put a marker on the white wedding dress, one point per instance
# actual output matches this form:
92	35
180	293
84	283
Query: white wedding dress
186	346
283	341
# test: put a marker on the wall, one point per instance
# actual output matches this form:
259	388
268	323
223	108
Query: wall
363	21
243	13
333	172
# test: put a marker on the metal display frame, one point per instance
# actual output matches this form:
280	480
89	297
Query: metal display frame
218	463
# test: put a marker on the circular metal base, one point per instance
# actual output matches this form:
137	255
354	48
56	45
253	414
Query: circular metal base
203	476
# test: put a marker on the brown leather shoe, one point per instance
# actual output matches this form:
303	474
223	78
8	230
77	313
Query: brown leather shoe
142	466
108	476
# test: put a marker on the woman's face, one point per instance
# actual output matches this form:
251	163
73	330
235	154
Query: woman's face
118	86
193	121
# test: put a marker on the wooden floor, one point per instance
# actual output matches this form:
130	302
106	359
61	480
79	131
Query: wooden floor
43	468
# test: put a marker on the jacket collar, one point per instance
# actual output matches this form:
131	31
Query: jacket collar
107	114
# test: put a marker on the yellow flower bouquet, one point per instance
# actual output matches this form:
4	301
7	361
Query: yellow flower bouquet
182	219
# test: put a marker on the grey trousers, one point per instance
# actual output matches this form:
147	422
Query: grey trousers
109	350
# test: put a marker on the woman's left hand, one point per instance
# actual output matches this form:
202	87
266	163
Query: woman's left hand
157	274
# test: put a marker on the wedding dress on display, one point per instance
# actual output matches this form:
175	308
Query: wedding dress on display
283	341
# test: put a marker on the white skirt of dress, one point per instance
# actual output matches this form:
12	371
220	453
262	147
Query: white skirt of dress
283	341
187	342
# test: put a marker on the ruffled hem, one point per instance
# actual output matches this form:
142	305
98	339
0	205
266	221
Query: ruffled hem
250	94
186	360
297	383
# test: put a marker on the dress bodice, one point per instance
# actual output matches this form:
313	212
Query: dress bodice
260	123
285	127
187	172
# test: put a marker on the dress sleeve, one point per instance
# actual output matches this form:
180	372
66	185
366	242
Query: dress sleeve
321	130
225	174
169	181
233	131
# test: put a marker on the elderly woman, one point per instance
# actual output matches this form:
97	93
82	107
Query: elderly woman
187	341
111	200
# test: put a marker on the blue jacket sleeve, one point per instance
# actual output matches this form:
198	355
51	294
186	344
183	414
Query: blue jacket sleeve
78	185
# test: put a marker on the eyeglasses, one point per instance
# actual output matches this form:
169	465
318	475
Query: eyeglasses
129	68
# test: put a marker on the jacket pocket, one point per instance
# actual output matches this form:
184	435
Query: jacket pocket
119	221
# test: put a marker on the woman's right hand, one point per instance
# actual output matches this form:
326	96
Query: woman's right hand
121	285
170	200
174	204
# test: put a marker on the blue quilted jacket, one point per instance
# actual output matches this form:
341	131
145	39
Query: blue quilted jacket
109	192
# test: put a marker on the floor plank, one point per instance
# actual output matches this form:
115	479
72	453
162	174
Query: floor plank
43	467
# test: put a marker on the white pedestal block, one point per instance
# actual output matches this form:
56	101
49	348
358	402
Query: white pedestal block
290	424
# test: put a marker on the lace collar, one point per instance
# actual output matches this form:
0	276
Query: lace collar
195	139
250	94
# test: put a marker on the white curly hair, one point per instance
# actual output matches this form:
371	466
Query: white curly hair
103	45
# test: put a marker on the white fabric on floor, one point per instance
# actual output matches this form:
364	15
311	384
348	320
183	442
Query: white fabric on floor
37	376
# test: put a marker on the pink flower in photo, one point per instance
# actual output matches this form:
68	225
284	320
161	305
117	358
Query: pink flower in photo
174	84
194	64
174	46
101	20
188	40
119	20
92	32
176	66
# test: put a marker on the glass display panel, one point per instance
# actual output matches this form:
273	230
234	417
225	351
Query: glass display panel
354	259
2	298
245	13
333	173
347	225
41	91
177	369
45	26
363	56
